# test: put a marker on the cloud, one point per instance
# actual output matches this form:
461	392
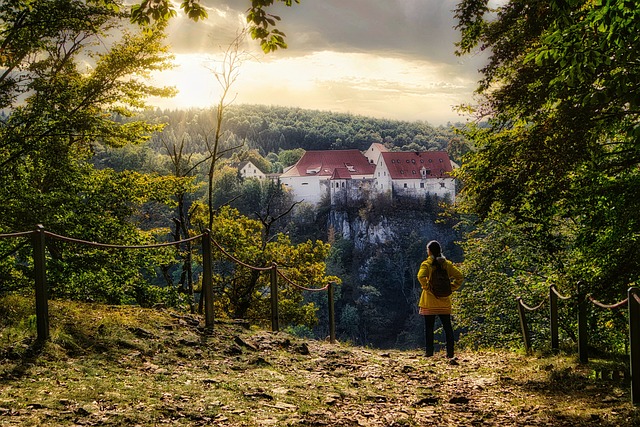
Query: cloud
382	58
422	28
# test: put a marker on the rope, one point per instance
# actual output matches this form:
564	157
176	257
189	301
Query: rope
636	297
302	287
105	245
612	306
555	291
234	259
530	308
20	234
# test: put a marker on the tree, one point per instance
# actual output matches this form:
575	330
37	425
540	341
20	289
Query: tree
242	291
560	153
226	76
59	108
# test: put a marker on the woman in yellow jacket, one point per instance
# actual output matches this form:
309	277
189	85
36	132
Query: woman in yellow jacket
431	305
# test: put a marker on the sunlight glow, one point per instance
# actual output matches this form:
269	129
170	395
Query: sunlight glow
369	84
192	77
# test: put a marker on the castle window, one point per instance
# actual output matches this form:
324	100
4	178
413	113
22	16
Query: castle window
405	185
422	185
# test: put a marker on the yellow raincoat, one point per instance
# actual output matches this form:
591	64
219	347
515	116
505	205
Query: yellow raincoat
429	303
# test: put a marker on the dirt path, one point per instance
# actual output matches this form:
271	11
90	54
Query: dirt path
163	371
369	388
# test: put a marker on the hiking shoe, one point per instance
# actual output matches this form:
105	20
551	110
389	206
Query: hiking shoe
453	361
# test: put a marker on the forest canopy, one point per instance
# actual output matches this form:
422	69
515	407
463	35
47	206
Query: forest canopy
552	181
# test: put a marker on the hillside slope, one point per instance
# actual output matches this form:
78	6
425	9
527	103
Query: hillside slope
113	366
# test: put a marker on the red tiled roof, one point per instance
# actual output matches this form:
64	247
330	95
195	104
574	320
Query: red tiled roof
341	173
323	163
408	164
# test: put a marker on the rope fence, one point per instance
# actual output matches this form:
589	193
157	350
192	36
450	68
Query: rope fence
274	272
19	234
38	243
632	303
236	260
615	306
112	246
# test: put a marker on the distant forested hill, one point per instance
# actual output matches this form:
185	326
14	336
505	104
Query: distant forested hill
272	129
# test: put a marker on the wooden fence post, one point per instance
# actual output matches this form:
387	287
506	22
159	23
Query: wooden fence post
274	298
42	294
207	280
332	315
582	326
553	319
634	344
523	325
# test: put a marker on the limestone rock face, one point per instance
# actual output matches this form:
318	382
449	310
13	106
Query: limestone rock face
388	230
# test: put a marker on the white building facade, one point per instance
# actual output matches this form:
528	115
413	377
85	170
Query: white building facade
350	175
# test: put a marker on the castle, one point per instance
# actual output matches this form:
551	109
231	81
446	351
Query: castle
346	175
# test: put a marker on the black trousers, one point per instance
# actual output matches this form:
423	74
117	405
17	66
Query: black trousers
429	323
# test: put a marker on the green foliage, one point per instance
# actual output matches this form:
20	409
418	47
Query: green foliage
300	331
287	131
560	154
290	157
68	94
503	262
243	292
261	21
158	12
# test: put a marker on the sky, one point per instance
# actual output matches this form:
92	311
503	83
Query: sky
389	59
